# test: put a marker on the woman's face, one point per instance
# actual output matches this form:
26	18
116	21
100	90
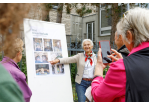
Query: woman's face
87	46
19	56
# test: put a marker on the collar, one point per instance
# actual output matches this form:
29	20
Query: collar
92	55
121	48
141	46
8	60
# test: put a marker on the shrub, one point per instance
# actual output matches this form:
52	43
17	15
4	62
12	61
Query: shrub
73	72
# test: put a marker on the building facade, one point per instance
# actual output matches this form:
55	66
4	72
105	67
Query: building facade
94	26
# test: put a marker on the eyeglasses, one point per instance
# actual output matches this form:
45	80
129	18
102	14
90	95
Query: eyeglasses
124	16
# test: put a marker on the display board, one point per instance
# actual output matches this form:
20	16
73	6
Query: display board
46	41
105	46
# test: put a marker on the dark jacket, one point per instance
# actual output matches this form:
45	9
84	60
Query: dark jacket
137	85
124	51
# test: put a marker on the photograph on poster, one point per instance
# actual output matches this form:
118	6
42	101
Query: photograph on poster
37	43
55	55
41	57
48	45
57	45
42	69
58	69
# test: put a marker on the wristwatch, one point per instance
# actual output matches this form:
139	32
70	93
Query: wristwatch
96	76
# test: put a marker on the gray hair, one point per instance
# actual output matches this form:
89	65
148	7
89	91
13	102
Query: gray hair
137	22
87	40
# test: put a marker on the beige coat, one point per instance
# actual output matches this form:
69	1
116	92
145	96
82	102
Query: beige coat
80	60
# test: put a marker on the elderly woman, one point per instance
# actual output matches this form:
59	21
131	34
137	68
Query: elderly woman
13	55
85	64
127	79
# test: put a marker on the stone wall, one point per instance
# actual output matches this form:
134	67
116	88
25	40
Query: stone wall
66	18
71	29
35	12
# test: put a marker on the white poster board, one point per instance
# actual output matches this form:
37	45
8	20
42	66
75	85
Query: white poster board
45	41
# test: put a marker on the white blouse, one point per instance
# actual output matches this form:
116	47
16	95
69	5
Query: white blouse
88	69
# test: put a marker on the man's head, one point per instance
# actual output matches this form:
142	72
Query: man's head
118	40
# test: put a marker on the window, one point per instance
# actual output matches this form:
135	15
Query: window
106	22
142	5
90	30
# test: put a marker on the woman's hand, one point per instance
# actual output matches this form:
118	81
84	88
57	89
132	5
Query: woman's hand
99	58
54	61
99	66
115	56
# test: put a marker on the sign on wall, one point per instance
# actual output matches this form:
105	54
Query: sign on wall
46	41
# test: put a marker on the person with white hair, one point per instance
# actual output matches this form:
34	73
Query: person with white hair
121	48
127	79
85	64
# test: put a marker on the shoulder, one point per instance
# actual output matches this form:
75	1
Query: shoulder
5	77
124	54
10	67
116	72
124	51
14	71
80	54
7	66
118	65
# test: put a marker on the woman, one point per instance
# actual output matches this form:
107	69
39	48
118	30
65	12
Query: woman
121	48
127	79
13	55
85	63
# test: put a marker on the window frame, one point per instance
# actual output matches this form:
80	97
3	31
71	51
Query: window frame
93	29
109	27
103	28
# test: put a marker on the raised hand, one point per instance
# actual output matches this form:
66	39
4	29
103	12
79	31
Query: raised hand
115	56
99	57
54	61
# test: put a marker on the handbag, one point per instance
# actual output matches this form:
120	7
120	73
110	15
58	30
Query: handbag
89	97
